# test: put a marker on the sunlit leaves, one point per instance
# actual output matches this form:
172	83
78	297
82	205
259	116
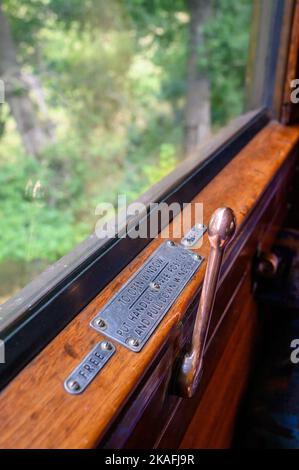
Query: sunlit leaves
114	77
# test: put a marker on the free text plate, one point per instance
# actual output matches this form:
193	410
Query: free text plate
89	368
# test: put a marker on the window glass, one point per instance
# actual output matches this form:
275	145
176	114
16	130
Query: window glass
104	98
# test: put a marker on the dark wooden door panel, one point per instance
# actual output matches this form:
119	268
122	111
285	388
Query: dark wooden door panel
212	425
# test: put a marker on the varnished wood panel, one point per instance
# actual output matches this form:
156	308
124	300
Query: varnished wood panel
212	426
257	234
36	411
162	418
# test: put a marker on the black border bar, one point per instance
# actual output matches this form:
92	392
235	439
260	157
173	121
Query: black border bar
169	458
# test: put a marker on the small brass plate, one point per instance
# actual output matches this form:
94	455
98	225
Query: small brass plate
89	368
134	313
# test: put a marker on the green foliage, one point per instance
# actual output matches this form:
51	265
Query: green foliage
114	77
224	57
37	221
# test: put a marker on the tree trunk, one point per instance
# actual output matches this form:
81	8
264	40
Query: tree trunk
198	112
35	135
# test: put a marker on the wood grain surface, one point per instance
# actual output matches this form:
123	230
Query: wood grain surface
36	412
212	426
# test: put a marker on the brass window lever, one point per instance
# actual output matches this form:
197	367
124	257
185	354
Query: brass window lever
221	229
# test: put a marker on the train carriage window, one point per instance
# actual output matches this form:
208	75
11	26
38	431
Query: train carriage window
101	99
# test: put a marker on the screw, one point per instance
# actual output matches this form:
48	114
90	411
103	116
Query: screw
188	241
196	257
170	243
133	342
106	346
101	323
74	385
155	285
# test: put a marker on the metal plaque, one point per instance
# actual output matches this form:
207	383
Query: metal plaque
87	370
136	310
194	235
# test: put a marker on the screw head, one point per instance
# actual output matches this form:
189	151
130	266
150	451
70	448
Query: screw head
74	385
196	257
101	323
170	243
106	346
155	285
133	342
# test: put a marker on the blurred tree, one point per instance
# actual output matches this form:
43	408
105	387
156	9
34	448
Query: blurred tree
224	57
34	133
198	102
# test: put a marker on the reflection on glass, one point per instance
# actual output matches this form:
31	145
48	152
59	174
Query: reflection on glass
104	98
